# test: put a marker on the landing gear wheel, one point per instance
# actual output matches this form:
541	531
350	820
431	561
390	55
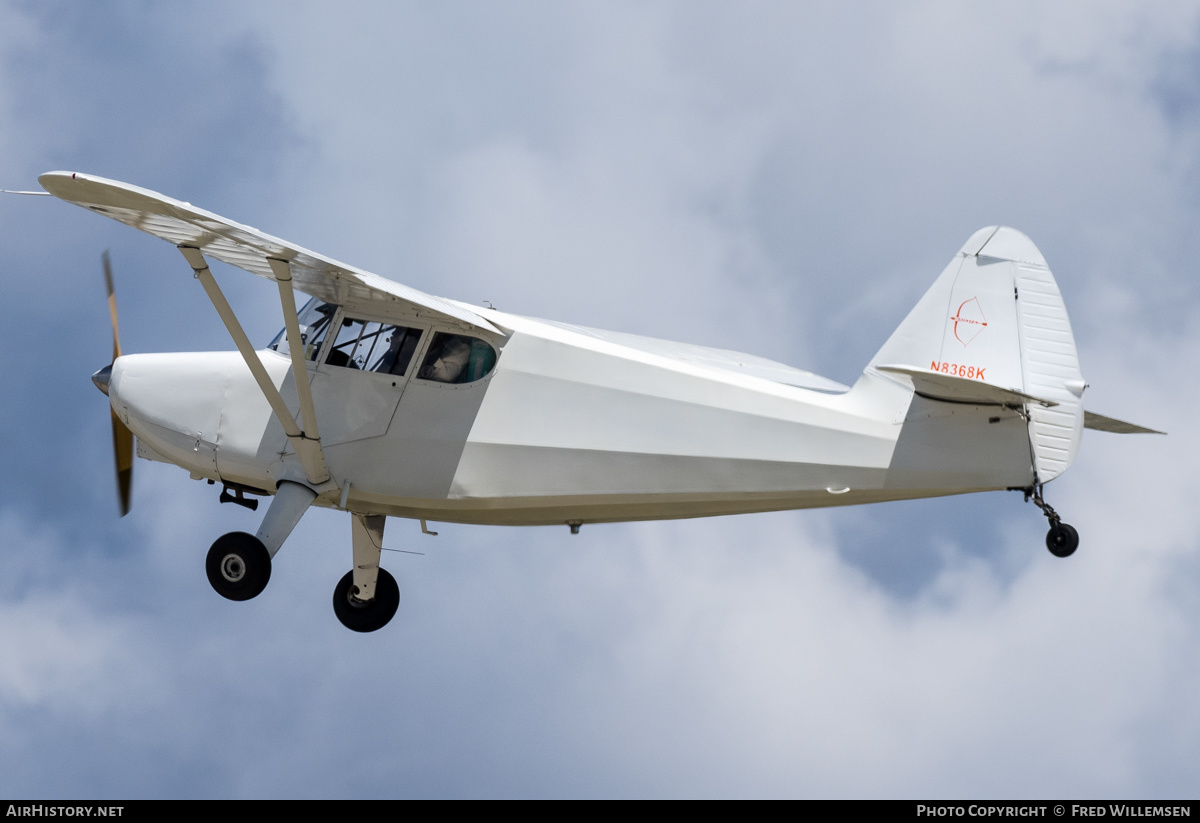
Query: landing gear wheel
366	615
238	566
1062	540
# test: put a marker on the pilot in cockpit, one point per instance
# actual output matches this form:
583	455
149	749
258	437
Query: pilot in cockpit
447	364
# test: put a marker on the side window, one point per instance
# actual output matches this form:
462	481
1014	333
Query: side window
456	358
314	323
402	343
370	346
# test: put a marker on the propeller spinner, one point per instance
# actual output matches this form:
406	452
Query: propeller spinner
122	436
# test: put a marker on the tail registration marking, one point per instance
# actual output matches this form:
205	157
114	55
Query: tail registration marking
958	370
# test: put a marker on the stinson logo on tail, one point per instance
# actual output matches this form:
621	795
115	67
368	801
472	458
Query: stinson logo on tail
968	321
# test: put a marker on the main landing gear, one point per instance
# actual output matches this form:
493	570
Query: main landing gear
367	597
1062	540
366	615
239	564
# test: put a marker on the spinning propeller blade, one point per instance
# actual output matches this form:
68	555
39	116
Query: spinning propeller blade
123	452
122	436
112	304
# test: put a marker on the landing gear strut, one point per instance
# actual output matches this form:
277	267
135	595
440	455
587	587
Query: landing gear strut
1062	540
239	564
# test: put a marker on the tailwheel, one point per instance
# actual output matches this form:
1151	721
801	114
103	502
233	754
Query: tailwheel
366	615
238	566
1062	540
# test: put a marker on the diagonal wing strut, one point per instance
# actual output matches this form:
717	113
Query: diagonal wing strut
307	442
287	299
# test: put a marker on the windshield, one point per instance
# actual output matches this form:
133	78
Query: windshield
314	322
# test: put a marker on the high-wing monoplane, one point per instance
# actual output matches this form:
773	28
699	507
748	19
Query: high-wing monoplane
380	400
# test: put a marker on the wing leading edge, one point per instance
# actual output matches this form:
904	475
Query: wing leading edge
182	224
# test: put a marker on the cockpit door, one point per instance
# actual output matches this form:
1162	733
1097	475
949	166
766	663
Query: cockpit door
365	369
354	405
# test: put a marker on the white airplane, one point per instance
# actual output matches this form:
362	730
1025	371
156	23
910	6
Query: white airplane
410	405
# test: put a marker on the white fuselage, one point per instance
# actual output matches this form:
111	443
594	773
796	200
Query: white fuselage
571	427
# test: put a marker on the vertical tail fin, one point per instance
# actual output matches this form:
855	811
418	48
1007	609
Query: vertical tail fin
995	315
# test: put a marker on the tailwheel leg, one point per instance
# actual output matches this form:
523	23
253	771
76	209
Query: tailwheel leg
1062	540
367	597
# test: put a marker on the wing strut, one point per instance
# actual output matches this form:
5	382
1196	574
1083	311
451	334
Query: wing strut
308	449
287	299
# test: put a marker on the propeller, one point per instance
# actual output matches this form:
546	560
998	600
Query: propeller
122	436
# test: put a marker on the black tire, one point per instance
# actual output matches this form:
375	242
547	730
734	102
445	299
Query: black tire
371	615
238	566
1062	540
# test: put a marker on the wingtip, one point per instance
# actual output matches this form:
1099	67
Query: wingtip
52	180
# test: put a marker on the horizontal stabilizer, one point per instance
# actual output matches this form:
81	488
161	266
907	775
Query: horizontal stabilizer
1099	422
953	389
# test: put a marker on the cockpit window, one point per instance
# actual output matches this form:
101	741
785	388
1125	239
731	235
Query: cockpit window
314	322
371	346
402	344
456	358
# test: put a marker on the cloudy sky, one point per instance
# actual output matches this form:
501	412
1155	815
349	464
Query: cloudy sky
780	178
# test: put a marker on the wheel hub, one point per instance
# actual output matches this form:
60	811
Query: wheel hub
233	568
354	600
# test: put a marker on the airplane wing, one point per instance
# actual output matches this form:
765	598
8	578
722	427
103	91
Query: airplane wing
1099	422
248	248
